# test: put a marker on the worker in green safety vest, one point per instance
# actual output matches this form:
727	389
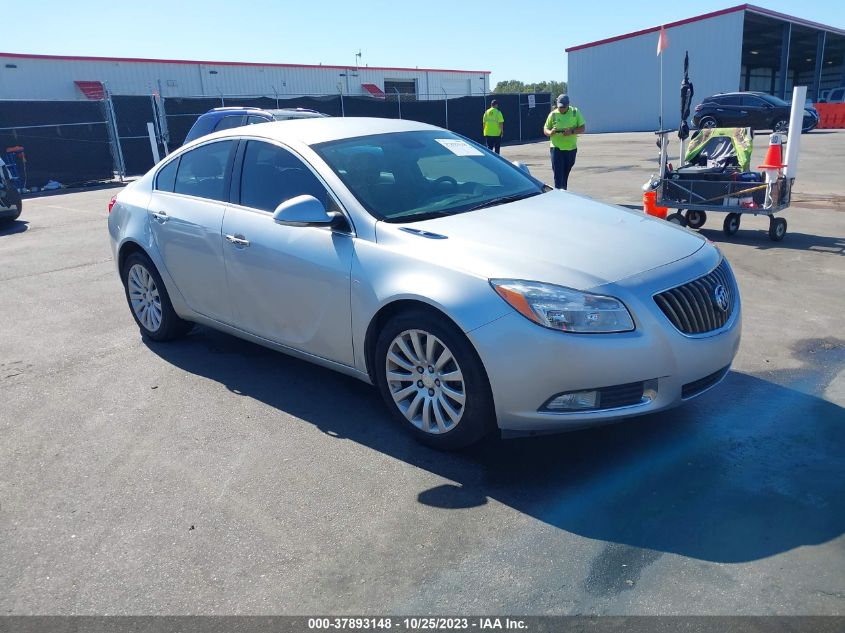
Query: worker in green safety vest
494	126
563	125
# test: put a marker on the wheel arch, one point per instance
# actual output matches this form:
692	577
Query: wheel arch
126	249
400	306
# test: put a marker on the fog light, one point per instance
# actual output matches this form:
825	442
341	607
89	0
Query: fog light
650	390
573	401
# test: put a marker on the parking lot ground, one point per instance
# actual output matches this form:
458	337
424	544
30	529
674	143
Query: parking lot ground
210	475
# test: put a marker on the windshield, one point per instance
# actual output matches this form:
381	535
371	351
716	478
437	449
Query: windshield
410	176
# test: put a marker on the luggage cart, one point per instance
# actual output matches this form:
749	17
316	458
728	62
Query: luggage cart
694	197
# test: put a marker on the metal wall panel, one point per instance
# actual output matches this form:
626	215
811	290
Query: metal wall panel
35	78
616	85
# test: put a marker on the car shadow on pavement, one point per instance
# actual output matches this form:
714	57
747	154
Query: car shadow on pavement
748	470
17	226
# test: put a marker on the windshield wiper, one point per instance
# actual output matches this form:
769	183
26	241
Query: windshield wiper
503	200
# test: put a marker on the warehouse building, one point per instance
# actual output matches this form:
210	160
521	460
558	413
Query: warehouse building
616	81
25	76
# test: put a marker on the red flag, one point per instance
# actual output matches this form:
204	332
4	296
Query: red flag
662	41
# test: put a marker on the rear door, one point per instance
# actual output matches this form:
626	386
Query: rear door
755	112
728	111
288	284
186	212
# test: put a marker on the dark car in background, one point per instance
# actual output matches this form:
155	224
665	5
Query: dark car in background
10	198
757	110
229	117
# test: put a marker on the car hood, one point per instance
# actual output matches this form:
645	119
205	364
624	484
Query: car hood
557	237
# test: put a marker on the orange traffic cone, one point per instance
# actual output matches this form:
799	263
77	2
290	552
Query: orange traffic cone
774	157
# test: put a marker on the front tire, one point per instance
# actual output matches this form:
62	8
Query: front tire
149	302
677	218
433	381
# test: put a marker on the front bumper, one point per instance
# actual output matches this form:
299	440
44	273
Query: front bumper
528	364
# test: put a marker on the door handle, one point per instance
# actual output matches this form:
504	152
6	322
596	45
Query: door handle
238	240
160	216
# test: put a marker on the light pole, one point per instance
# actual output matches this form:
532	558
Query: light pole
399	100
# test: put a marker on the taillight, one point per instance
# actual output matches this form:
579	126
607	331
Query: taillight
112	201
698	107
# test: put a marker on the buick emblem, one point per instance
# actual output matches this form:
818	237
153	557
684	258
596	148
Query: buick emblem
720	294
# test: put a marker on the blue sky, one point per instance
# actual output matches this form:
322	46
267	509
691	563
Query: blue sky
524	40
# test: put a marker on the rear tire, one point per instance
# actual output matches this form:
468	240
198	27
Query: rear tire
696	219
777	229
731	224
16	202
448	405
781	125
149	302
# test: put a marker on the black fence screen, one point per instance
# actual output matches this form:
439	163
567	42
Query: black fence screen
65	141
132	115
461	115
74	141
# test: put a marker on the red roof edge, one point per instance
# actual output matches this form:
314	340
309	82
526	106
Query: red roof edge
212	63
654	29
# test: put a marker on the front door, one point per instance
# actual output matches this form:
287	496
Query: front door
288	284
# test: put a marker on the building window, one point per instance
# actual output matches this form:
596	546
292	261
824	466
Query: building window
406	87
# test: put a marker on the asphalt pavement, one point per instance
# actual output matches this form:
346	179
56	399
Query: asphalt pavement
210	475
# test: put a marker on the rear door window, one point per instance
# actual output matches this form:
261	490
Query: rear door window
730	100
836	95
252	120
202	171
166	177
750	101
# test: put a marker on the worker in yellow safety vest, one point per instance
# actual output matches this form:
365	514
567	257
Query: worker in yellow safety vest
494	126
563	126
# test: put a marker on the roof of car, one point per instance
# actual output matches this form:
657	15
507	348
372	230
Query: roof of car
320	129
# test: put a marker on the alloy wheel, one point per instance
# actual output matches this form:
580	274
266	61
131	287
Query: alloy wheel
425	381
144	297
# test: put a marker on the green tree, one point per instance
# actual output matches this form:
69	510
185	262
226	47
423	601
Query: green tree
512	86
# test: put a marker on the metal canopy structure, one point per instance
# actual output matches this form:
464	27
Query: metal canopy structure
779	52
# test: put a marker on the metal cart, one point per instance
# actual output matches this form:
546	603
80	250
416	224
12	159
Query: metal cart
693	199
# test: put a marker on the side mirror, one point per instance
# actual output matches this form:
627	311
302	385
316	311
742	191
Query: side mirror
522	166
304	211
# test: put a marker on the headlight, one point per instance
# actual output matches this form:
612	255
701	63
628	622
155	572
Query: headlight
564	309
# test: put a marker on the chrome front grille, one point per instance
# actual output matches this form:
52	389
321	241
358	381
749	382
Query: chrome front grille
694	307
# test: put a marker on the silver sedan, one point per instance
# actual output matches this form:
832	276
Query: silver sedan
468	292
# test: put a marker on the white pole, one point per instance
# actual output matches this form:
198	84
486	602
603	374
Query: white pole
151	130
399	100
796	122
661	90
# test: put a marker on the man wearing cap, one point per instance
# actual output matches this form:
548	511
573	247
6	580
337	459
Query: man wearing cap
563	126
494	127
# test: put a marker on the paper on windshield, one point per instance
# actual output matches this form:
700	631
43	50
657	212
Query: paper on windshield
459	147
